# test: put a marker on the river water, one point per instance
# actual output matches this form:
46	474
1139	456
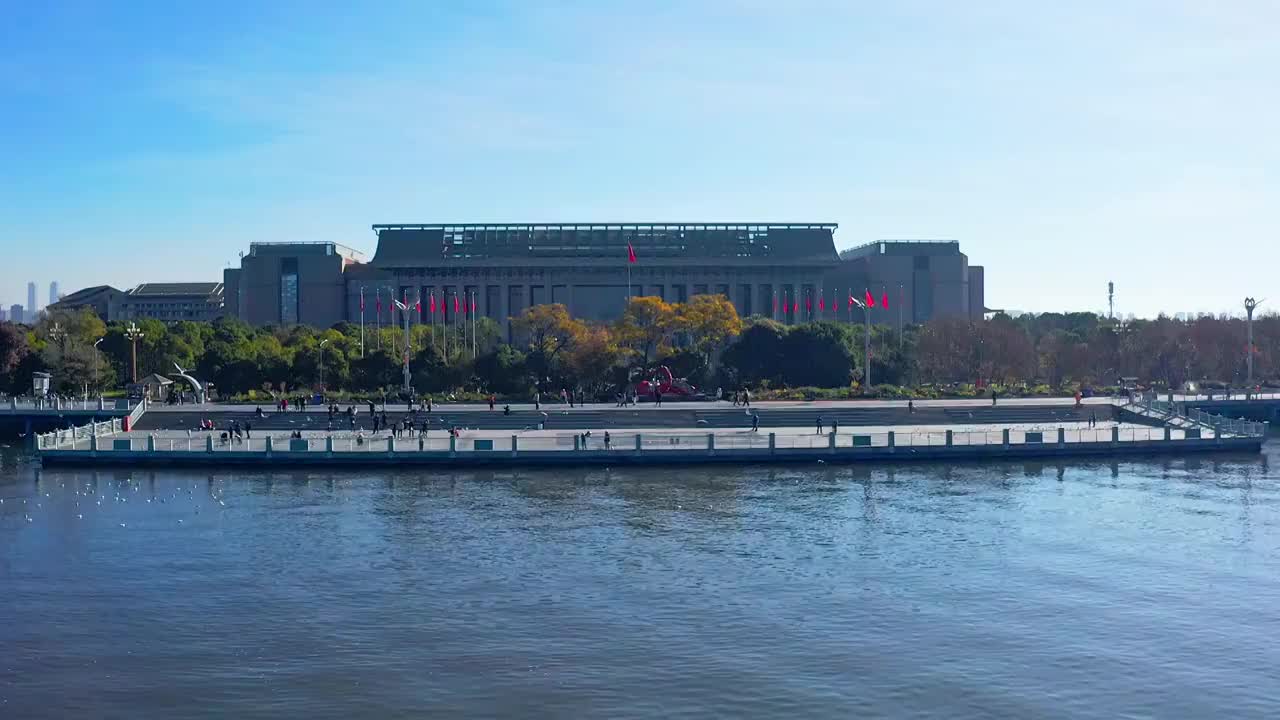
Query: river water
1084	590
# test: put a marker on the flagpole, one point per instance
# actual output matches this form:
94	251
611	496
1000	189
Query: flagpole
361	321
377	315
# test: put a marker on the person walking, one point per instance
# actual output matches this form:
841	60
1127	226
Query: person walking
820	425
607	440
755	422
746	397
247	429
657	397
735	398
492	399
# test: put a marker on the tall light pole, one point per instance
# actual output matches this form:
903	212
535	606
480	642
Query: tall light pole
322	344
134	335
96	379
1249	306
866	342
404	312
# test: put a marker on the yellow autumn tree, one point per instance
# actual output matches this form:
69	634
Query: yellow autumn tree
646	327
710	321
549	332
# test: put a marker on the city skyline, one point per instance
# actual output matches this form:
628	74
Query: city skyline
1064	146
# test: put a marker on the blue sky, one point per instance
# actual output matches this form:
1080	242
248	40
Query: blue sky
1064	144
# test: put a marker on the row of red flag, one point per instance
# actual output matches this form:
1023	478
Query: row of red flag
459	306
794	305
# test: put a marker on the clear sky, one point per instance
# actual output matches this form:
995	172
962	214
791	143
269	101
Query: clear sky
1064	144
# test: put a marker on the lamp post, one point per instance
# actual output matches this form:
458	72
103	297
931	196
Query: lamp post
404	312
134	335
1249	306
96	379
322	344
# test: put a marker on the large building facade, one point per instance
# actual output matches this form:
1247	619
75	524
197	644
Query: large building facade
790	272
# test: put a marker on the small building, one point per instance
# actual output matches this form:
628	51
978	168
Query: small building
154	387
104	300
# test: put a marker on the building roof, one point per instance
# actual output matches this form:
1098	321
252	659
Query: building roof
903	247
155	379
85	295
416	245
176	289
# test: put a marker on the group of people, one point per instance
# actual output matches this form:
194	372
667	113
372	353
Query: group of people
740	397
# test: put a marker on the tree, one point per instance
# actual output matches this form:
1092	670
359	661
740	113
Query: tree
13	349
818	354
756	355
549	332
593	360
710	321
646	327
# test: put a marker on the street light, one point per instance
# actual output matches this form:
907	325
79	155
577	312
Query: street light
322	344
96	380
134	335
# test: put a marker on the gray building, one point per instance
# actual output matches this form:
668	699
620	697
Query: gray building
922	279
290	283
784	271
172	302
33	306
16	314
53	292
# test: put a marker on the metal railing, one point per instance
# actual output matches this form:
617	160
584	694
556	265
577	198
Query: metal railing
78	440
55	405
1173	414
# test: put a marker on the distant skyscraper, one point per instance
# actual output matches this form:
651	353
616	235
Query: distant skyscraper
32	306
4	315
15	314
53	292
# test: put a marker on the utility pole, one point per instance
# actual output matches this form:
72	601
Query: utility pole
1249	306
97	382
1111	301
362	321
134	335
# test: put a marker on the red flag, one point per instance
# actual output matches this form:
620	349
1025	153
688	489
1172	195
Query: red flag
775	304
455	302
432	306
851	301
377	294
361	301
884	299
473	304
417	305
822	303
871	299
631	253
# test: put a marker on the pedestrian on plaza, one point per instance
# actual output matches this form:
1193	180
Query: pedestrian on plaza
506	410
302	404
608	440
820	424
431	404
755	422
993	398
911	407
492	399
537	400
564	396
735	398
247	428
657	397
746	397
835	426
